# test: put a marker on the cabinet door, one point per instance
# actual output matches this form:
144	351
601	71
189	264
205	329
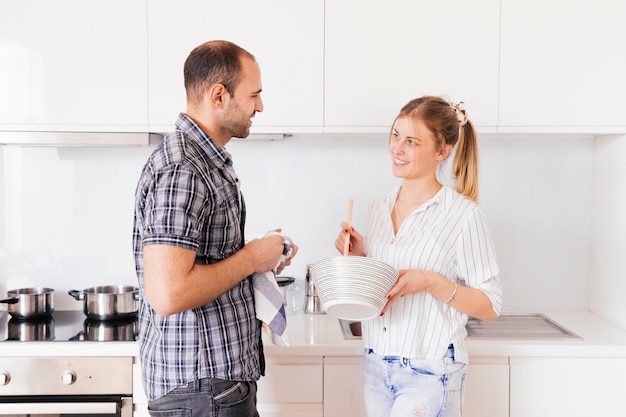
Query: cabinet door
487	387
567	386
286	37
379	55
292	387
562	66
73	65
343	387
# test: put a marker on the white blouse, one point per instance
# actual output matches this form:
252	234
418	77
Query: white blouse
449	235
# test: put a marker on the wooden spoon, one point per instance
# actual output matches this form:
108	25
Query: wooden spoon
346	244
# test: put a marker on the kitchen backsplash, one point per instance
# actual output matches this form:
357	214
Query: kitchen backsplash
66	212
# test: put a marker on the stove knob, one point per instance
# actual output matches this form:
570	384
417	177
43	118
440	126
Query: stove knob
5	378
68	377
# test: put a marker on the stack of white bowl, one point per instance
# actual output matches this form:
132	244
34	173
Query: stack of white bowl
353	287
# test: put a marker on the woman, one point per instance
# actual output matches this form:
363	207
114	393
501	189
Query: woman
438	238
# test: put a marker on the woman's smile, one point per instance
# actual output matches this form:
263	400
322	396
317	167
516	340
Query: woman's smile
400	162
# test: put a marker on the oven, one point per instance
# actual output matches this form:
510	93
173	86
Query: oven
59	386
65	385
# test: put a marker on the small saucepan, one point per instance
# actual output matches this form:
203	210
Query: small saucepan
108	302
30	303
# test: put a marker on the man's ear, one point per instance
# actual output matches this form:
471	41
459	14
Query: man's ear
217	94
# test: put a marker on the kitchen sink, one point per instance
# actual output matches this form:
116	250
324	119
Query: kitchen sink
350	329
523	326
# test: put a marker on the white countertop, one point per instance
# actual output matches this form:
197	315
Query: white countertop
320	335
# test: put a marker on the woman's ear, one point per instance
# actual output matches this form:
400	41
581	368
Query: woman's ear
445	152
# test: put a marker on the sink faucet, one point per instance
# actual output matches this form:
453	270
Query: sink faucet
312	302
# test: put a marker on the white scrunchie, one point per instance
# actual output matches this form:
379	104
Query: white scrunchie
461	114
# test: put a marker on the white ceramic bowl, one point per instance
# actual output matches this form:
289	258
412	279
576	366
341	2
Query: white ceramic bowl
353	287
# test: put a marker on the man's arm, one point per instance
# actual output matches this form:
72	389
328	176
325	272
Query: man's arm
175	283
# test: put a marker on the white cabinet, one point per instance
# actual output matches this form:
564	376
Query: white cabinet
327	66
343	387
286	37
487	387
562	66
292	387
73	65
379	55
563	387
140	401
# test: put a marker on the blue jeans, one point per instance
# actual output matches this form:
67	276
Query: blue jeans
208	398
401	387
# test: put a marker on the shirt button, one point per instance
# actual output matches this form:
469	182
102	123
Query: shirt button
384	329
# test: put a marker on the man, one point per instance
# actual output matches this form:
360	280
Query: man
200	342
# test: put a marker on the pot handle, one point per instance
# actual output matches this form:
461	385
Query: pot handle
78	295
10	301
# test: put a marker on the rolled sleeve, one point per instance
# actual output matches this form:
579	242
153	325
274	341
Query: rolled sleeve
477	258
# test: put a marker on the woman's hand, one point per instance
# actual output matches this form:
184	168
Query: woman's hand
470	301
410	281
357	241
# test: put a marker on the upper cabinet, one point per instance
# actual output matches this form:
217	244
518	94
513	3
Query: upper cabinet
73	66
563	66
327	66
285	36
379	55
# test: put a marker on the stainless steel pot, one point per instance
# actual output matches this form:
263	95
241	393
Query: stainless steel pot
31	330
29	303
108	302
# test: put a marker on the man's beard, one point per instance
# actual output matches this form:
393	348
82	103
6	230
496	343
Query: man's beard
234	123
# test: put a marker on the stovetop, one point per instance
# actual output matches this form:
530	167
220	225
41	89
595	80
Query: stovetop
66	326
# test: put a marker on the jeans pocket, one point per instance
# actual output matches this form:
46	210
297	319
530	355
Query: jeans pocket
425	367
455	376
176	412
234	398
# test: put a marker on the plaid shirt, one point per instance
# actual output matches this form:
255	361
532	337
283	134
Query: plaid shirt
188	196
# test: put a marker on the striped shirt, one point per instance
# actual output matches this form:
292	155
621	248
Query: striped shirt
449	235
188	196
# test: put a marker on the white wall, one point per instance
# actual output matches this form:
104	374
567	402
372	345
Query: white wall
608	286
66	213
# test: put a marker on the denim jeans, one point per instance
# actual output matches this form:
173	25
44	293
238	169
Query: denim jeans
401	387
208	398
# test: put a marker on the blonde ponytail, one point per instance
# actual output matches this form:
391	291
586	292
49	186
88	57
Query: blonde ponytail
465	165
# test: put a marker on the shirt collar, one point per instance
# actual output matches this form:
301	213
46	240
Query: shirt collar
193	131
443	197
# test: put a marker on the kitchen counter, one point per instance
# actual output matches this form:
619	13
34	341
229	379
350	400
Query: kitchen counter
320	335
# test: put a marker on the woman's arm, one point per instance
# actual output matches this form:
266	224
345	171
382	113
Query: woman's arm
471	301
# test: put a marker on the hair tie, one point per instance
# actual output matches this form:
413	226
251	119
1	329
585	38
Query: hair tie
459	109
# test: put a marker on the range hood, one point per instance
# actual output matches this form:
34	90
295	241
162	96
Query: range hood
41	138
38	138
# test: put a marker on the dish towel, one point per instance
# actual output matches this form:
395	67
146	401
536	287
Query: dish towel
269	306
268	300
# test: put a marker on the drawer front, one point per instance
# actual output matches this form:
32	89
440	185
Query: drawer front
291	383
